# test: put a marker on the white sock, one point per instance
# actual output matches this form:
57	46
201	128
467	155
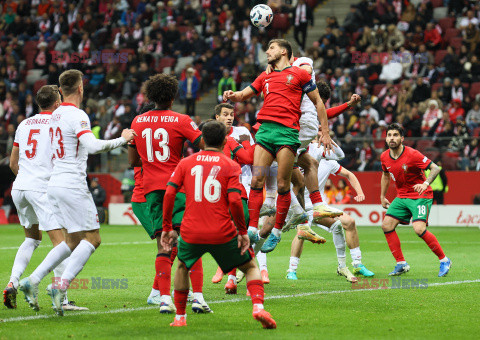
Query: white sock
232	277
58	270
356	255
269	201
79	257
318	204
339	242
295	205
199	297
178	317
258	305
252	229
52	260
402	262
154	292
166	299
294	261
22	259
445	259
277	232
262	260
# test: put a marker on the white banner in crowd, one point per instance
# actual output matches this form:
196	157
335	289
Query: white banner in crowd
364	214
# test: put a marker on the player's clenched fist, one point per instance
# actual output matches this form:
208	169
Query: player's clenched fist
128	134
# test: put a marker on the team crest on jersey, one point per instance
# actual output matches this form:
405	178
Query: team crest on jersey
405	168
84	124
289	79
194	126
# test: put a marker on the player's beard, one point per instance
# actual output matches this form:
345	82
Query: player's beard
394	145
275	59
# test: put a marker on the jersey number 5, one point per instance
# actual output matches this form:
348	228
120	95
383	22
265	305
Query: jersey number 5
162	136
59	149
32	141
212	187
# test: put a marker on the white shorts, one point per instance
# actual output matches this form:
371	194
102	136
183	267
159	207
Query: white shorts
33	207
74	209
308	130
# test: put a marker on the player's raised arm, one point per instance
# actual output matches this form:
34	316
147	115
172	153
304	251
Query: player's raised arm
355	184
15	155
337	110
238	96
322	117
94	145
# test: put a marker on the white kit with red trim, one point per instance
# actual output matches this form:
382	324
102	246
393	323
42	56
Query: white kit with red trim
35	163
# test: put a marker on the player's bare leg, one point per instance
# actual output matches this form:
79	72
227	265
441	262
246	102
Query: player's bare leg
33	237
181	295
298	214
420	228
262	160
255	288
285	159
295	253
388	226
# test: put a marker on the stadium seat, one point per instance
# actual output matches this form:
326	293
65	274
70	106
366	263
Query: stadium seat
38	84
116	199
449	163
183	29
440	12
474	90
437	3
181	63
311	3
456	43
432	155
165	62
446	23
423	144
281	22
451	33
439	55
476	132
409	142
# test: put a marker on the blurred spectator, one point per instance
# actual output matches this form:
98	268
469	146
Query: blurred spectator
455	110
432	37
302	16
64	45
473	117
366	157
470	156
225	84
458	90
330	192
353	20
189	90
344	193
431	116
421	91
114	129
369	112
98	193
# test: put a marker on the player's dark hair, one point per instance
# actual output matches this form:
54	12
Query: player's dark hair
324	90
214	133
219	107
282	43
161	89
69	81
47	96
398	127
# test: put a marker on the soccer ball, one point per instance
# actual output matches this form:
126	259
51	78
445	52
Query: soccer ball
261	16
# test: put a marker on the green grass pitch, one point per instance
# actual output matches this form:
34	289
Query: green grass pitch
319	305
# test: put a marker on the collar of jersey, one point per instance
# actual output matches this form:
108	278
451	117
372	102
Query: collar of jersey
221	151
68	104
45	113
396	159
282	69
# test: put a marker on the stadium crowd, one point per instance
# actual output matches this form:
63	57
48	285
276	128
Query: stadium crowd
428	77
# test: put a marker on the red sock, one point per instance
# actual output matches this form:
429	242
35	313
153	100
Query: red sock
394	245
155	283
196	276
283	204
180	299
163	266
173	254
233	272
255	201
433	244
315	197
255	287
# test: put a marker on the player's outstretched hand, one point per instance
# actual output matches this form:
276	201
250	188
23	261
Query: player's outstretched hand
167	239
327	143
359	198
420	188
385	203
243	243
354	100
128	134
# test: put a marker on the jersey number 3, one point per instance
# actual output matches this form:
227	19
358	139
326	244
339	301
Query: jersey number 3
162	136
212	187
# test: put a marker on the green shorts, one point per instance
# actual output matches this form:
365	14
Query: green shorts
245	211
227	255
404	209
273	137
155	210
143	214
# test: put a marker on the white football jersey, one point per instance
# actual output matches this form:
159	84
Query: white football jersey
325	169
307	106
35	160
69	156
246	179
